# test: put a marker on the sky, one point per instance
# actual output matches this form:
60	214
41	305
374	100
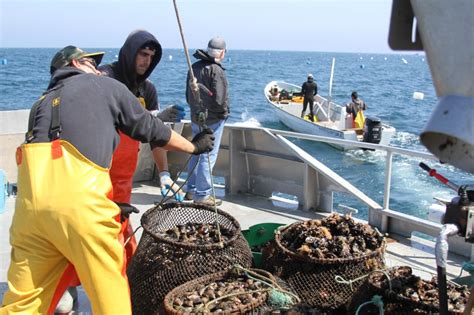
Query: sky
294	25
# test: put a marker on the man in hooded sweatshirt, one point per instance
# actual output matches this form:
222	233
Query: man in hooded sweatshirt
309	90
138	57
213	91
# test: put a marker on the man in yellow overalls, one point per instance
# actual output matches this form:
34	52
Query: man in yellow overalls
63	217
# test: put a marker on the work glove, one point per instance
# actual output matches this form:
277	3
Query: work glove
173	113
168	188
203	141
125	210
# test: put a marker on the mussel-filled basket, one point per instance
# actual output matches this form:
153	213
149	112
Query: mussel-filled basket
319	259
403	292
180	243
234	291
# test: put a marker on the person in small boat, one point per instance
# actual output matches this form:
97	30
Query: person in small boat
356	109
274	93
309	89
64	218
209	72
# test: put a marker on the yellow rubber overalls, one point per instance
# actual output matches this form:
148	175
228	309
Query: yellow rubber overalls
63	218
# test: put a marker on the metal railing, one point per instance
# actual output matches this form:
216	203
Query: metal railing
386	219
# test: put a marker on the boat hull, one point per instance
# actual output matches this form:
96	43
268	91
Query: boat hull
289	113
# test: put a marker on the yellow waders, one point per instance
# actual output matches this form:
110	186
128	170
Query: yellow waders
63	217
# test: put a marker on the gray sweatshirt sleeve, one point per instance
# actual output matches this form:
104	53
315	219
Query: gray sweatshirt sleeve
137	122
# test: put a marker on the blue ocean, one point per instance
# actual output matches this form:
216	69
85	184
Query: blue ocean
385	82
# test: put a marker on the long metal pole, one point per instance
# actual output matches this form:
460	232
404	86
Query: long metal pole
386	195
193	81
330	87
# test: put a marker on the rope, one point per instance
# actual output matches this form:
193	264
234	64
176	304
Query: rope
275	286
206	306
340	279
195	89
272	288
130	237
376	300
468	266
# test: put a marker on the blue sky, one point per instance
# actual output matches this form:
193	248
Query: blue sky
301	25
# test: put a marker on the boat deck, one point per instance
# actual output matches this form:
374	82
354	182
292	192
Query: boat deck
249	210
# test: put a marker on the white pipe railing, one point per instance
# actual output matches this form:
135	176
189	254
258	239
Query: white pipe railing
388	160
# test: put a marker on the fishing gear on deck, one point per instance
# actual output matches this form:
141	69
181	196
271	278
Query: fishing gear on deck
460	211
458	220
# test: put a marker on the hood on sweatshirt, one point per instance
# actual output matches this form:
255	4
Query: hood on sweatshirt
125	66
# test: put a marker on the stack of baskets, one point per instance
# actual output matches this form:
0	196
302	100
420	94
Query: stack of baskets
161	263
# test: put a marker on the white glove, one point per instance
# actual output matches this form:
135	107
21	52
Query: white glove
168	188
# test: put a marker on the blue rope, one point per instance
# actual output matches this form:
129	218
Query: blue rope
376	300
468	266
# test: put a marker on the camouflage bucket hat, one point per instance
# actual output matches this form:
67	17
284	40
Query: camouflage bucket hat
69	53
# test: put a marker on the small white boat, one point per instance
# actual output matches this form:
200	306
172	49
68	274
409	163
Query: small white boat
331	119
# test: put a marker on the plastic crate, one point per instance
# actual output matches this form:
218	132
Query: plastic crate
259	234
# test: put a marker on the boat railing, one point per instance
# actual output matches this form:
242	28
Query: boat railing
263	161
386	219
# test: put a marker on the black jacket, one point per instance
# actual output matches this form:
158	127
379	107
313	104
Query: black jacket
124	69
355	106
92	109
211	74
309	89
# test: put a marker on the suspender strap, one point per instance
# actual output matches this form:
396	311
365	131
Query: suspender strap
55	129
31	120
55	118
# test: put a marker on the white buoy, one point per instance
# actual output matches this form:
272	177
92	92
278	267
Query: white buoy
170	57
371	58
423	59
385	58
116	56
361	58
404	61
418	95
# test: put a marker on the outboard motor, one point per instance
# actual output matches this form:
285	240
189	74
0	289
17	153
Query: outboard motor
372	130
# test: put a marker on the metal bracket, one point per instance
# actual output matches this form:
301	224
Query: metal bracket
401	27
348	210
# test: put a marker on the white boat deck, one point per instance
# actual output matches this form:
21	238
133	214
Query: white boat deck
249	210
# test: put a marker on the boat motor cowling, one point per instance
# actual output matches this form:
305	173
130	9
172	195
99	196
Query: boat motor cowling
372	130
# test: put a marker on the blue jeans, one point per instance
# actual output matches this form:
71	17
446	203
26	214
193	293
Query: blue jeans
199	182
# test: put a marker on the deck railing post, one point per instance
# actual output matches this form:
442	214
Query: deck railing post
386	194
312	192
238	163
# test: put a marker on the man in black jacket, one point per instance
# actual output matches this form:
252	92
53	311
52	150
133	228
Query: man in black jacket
309	90
63	217
215	101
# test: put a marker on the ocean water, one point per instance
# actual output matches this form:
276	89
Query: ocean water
385	82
